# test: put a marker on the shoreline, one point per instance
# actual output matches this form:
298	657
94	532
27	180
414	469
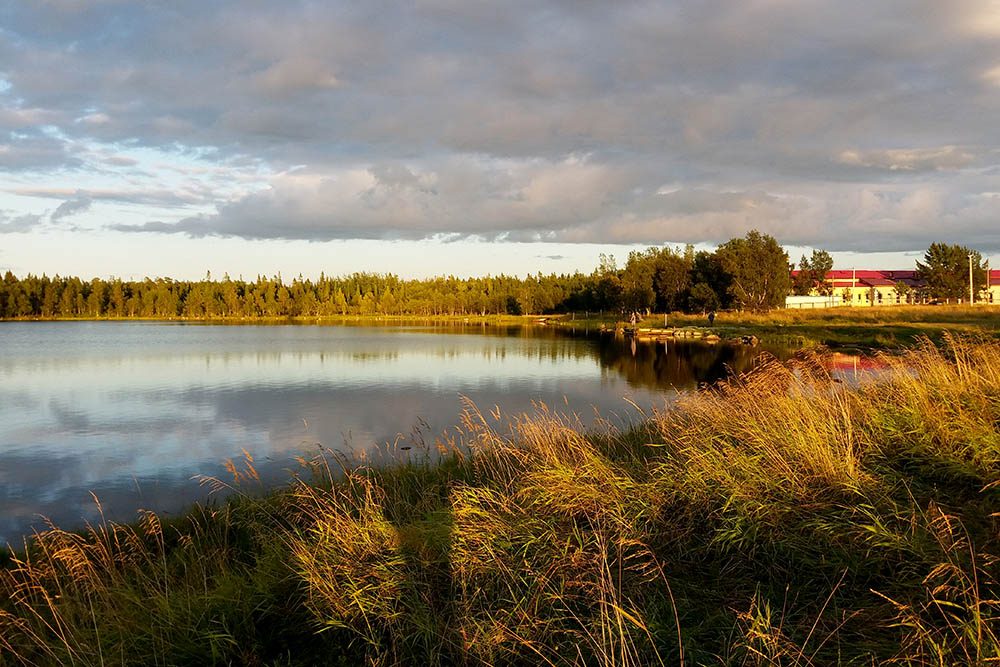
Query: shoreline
871	328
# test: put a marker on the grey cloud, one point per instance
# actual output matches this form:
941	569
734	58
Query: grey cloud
576	201
35	152
164	227
71	207
823	122
71	7
19	119
456	196
179	197
120	161
668	53
293	75
12	223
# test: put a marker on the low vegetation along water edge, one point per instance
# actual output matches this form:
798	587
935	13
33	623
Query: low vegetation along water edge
884	327
783	518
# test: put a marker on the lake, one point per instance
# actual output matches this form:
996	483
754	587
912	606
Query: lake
131	411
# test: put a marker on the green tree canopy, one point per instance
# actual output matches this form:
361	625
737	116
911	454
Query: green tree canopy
672	277
946	270
707	269
637	282
703	298
812	274
759	270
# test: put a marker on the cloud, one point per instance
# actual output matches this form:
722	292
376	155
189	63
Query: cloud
77	6
120	161
12	223
847	123
71	207
916	159
450	77
293	75
178	197
462	197
95	119
30	152
20	118
579	201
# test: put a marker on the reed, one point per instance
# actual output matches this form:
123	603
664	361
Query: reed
786	517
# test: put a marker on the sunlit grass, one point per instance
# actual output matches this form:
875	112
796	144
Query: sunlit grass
782	518
882	327
877	327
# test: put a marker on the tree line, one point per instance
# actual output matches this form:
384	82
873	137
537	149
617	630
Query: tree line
674	279
748	273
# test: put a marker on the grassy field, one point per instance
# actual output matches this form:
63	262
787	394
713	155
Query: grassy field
881	327
784	518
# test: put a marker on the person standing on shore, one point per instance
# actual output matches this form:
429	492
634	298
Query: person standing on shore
711	319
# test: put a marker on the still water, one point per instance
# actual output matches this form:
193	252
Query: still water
131	411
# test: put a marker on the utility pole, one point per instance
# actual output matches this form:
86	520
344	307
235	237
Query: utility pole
972	298
986	272
854	283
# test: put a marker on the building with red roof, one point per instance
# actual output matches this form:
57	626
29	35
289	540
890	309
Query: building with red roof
866	287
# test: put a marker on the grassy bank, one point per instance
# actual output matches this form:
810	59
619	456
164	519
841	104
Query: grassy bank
884	328
782	519
881	327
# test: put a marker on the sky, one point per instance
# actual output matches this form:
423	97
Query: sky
435	137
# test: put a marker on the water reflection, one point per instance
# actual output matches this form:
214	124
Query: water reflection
132	410
679	363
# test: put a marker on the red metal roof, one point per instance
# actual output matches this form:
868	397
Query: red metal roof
847	274
876	278
903	275
913	282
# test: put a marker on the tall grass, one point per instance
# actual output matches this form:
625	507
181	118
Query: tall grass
781	518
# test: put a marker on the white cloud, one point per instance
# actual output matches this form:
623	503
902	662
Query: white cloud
981	17
96	119
913	159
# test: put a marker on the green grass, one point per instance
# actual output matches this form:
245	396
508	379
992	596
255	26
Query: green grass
780	519
882	327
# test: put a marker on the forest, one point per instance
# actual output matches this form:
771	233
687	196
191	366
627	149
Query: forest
750	273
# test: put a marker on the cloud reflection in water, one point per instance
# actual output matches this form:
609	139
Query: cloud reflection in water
131	411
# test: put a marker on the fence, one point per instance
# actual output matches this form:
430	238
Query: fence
833	301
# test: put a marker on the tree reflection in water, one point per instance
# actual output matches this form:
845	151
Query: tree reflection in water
679	363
